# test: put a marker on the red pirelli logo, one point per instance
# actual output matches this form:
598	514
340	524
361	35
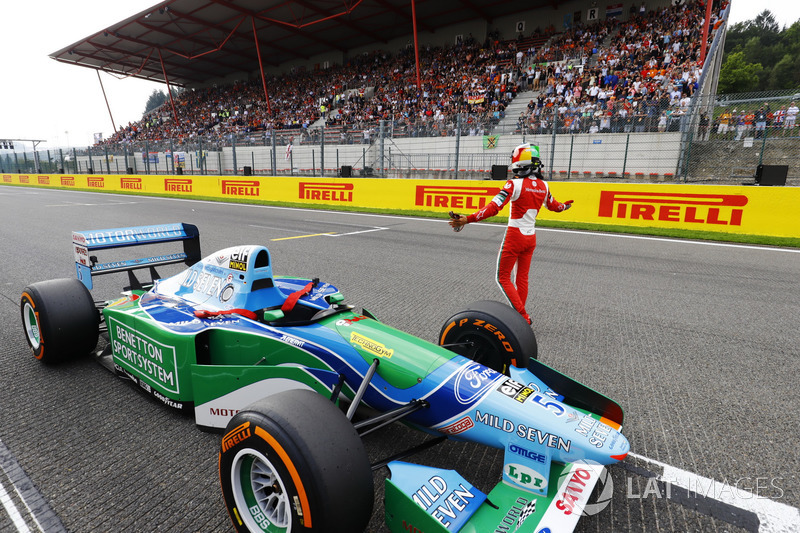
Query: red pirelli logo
722	209
43	180
131	184
68	181
177	185
329	192
96	181
6	178
454	197
241	187
24	179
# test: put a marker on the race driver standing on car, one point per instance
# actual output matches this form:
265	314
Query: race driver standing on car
528	192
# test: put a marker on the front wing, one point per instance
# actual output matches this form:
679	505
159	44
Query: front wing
421	498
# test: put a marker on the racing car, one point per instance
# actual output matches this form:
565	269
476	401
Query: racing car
294	378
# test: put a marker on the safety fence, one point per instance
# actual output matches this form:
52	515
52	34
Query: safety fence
713	138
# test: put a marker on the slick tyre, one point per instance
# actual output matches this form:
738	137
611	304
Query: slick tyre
490	333
60	319
292	462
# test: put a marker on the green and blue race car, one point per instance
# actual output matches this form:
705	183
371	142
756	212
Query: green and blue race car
294	377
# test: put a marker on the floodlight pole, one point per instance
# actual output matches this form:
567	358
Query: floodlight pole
106	99
169	90
416	43
261	67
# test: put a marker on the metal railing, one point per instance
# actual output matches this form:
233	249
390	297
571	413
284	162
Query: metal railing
714	139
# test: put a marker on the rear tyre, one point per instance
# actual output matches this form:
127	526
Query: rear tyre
293	462
490	333
60	319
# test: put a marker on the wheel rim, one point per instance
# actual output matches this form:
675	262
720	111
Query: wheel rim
32	326
482	349
259	493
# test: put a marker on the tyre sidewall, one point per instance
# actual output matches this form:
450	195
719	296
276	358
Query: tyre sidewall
67	321
510	335
32	312
314	450
256	434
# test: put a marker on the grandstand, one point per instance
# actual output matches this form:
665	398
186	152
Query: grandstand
441	89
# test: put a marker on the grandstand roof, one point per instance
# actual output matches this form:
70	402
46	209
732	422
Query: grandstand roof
199	39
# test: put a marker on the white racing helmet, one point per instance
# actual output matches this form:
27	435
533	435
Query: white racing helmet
525	160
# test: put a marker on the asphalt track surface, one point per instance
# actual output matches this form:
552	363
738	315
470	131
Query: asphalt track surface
698	342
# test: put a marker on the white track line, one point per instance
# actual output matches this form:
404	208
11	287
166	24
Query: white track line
12	511
774	517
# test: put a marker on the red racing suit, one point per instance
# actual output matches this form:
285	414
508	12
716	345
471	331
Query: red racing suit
527	196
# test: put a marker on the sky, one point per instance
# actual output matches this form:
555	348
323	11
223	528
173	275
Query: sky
63	105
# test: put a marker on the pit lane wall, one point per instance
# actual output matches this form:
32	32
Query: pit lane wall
753	210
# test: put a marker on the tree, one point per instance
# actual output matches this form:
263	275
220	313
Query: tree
739	76
786	73
759	56
157	98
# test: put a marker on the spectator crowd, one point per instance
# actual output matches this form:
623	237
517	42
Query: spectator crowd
603	76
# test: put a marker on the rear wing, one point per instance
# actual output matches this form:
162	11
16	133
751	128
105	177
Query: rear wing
86	241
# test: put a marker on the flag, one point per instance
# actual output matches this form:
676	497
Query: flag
288	150
613	10
490	141
528	510
476	99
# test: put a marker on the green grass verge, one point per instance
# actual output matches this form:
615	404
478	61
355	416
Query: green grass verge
763	240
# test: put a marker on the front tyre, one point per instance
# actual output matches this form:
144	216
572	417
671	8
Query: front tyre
60	319
292	462
490	333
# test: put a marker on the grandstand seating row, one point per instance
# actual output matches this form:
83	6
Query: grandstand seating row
637	75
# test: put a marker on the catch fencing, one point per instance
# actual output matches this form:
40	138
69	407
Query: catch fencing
715	139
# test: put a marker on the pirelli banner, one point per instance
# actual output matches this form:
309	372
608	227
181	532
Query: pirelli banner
770	211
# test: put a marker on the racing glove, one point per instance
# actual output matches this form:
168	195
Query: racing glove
568	204
455	216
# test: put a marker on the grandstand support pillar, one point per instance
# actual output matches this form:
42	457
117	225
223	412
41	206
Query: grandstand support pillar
458	140
108	165
261	67
416	43
171	159
381	135
233	150
169	90
200	157
322	150
274	154
706	24
106	99
147	157
625	159
571	147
